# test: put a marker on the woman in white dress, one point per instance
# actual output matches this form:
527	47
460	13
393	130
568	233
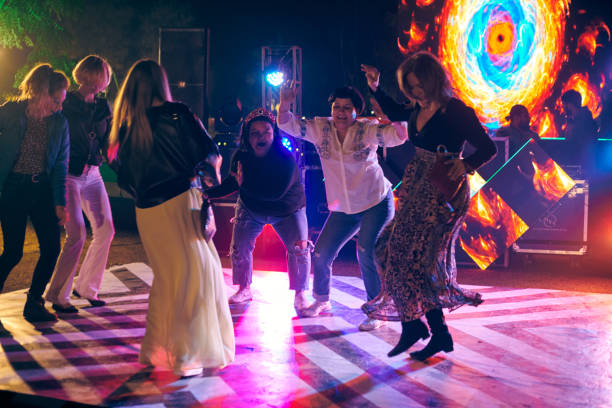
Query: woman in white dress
154	146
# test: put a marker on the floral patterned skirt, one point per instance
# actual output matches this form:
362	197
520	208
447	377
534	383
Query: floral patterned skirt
415	253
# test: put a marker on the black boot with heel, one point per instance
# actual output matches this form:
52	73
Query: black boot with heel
412	331
441	339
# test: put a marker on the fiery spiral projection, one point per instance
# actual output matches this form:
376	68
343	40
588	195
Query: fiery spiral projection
504	52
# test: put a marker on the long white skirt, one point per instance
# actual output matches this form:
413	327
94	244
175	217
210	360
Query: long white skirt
189	324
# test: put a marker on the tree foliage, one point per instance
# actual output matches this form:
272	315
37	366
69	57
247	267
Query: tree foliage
62	32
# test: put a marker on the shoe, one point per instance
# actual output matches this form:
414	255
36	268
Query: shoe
93	302
65	309
190	372
441	339
370	324
34	311
412	331
438	342
243	295
316	308
300	303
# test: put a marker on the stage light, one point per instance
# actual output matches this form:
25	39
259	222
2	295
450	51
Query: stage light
287	143
275	78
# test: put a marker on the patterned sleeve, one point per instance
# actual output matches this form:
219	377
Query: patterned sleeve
301	128
385	135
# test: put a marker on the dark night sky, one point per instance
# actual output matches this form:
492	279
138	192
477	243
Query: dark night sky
335	37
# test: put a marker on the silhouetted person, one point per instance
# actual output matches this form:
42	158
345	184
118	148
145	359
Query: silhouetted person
579	130
518	131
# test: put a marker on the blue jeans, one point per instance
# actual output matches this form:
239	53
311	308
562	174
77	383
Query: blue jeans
291	229
339	228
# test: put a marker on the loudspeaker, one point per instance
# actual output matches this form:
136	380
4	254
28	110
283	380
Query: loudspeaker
184	53
563	228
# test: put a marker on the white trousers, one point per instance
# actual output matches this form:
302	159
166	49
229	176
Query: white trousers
84	193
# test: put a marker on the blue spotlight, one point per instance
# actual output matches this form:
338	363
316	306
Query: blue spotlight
287	143
275	78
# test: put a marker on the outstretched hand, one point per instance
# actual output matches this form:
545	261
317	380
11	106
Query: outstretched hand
372	75
288	92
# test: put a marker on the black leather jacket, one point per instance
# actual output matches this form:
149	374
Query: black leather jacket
90	125
180	142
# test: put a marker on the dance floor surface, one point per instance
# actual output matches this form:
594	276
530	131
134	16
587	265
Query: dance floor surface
521	348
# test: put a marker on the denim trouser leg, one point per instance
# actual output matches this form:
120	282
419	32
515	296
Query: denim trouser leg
338	229
373	221
246	231
291	230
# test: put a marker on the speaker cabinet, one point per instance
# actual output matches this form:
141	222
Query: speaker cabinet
184	53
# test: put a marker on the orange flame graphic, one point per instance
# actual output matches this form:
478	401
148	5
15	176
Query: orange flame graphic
424	3
417	33
590	94
550	181
587	41
545	124
497	226
482	250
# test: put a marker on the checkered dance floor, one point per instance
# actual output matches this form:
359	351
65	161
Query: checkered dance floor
521	348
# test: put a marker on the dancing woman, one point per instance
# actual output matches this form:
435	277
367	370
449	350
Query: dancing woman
89	120
415	252
271	192
155	145
34	149
359	197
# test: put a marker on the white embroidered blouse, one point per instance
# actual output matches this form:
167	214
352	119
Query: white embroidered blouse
354	181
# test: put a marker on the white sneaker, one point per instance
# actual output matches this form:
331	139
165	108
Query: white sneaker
370	324
316	308
243	295
190	372
300	303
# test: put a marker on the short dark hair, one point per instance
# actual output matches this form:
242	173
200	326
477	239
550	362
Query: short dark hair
348	92
572	97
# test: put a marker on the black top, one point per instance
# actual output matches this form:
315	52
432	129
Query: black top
271	184
452	125
90	125
580	136
180	142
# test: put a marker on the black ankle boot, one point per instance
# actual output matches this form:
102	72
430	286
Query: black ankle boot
34	311
441	339
412	331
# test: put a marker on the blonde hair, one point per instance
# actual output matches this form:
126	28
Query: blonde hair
145	82
430	73
92	70
36	82
42	80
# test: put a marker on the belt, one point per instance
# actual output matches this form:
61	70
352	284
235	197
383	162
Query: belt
27	178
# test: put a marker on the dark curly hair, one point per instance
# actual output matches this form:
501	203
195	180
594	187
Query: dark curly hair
348	92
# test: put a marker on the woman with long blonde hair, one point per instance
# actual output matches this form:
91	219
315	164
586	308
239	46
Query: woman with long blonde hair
155	145
89	119
416	251
33	163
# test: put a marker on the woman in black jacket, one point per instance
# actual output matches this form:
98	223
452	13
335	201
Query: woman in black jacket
34	148
155	145
271	192
89	119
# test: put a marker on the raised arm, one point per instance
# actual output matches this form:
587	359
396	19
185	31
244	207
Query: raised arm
393	134
393	110
288	122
